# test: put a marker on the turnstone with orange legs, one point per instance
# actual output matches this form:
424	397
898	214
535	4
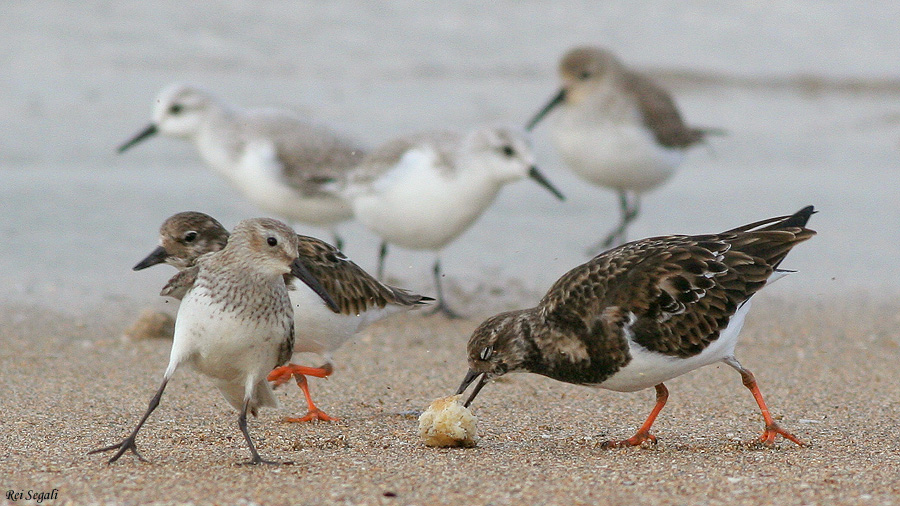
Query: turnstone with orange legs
643	313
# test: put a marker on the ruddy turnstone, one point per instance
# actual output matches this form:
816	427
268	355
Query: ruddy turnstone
617	129
235	322
422	191
643	313
360	299
273	157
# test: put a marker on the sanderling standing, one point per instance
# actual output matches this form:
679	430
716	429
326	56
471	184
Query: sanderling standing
235	323
360	299
275	158
422	191
643	313
617	129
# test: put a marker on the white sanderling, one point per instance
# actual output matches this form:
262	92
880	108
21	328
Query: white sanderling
273	157
643	313
360	299
422	191
617	129
235	322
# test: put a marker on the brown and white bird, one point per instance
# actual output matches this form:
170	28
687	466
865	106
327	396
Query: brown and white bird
235	322
643	313
617	129
319	328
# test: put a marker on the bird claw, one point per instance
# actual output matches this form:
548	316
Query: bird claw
767	438
643	440
313	414
125	445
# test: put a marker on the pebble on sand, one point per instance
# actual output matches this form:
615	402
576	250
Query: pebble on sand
151	324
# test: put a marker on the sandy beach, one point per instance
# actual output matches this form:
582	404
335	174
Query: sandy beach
827	370
810	98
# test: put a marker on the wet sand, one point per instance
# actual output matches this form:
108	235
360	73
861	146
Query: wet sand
826	367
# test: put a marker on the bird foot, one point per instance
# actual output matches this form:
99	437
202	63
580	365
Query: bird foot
446	311
642	439
772	430
126	445
312	414
281	375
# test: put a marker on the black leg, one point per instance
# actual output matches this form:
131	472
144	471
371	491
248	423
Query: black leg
129	442
338	241
441	306
242	423
382	255
617	236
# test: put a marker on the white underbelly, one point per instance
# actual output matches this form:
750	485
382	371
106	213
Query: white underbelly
319	330
617	156
648	368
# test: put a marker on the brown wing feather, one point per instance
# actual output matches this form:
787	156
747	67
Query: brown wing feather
179	284
660	113
352	288
681	290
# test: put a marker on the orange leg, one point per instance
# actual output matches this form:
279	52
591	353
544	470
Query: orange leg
643	434
313	412
772	429
281	375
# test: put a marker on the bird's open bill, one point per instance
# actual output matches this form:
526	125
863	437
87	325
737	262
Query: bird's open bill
143	134
535	174
470	377
156	256
555	101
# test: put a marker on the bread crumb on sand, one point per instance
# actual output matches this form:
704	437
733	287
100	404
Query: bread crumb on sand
447	422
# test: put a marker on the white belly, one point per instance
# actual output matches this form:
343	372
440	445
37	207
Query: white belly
415	207
319	330
648	368
621	156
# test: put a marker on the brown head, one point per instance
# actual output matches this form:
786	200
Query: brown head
183	238
500	345
582	70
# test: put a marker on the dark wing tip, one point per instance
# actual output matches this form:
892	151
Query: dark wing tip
800	218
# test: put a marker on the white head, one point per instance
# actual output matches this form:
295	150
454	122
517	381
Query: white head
181	109
505	153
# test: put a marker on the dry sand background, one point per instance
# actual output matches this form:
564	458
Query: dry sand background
807	90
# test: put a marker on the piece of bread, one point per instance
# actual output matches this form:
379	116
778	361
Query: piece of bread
448	423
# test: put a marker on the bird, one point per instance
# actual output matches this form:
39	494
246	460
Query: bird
617	129
275	158
643	313
423	190
318	328
235	321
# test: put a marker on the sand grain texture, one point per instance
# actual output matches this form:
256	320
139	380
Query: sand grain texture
827	370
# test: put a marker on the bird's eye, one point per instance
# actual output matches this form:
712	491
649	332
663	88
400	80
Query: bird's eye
272	241
176	108
190	236
584	75
486	353
508	150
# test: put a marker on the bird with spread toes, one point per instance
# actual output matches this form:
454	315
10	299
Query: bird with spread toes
319	328
275	158
235	321
422	191
617	129
643	313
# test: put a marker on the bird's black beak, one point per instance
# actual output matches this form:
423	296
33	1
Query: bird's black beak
470	377
555	101
157	256
535	174
300	271
143	134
